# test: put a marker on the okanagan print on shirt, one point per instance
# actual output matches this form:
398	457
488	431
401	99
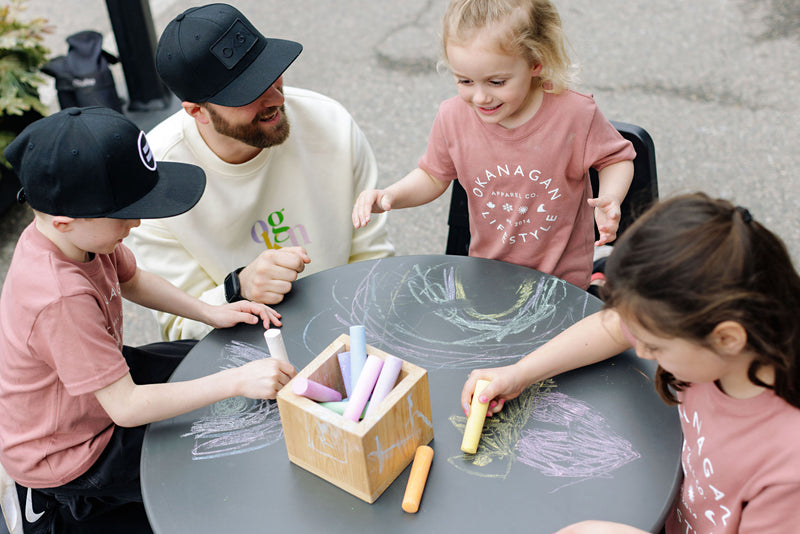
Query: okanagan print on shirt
700	502
516	212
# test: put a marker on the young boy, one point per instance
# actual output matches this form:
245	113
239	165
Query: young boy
73	399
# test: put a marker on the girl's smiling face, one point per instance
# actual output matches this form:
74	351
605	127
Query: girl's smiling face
502	89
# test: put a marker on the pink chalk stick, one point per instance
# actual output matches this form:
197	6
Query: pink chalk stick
363	388
344	366
314	390
386	381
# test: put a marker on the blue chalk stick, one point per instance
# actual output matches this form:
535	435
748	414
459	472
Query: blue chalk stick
358	352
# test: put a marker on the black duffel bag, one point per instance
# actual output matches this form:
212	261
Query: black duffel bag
83	77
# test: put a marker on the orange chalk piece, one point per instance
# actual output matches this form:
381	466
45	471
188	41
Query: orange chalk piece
417	478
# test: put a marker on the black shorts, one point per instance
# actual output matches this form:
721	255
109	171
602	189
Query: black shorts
108	497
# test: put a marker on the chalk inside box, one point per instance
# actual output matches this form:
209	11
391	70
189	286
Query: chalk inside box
365	457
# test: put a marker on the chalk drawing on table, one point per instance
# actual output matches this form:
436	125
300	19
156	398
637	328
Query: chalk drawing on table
238	424
580	446
501	433
454	330
586	447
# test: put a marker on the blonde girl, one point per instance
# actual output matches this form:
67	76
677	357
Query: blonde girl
519	141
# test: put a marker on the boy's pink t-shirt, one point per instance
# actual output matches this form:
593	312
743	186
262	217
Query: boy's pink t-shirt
527	187
741	464
60	341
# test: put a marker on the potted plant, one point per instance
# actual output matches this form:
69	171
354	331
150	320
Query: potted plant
22	54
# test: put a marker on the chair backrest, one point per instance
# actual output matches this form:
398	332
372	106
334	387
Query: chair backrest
642	193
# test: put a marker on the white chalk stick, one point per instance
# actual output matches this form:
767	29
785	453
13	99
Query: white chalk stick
275	344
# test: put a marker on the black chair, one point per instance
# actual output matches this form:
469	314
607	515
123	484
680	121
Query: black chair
642	193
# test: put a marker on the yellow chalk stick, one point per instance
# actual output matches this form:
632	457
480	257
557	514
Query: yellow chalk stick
417	478
477	415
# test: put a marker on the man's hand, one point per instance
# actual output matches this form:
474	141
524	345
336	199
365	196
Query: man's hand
269	277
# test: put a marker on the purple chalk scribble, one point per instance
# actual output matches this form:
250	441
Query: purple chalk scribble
238	424
585	448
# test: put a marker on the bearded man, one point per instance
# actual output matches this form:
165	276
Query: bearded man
283	169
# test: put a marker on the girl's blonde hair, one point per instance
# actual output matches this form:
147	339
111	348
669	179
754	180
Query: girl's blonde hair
531	28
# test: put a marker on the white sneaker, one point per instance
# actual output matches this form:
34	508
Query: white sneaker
9	501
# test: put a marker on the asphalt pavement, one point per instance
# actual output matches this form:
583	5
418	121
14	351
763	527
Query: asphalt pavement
716	84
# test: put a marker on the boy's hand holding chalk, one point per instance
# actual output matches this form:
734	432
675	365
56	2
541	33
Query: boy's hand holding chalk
477	415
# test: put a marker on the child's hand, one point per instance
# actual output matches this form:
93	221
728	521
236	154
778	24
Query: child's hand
607	215
368	202
243	311
262	379
504	385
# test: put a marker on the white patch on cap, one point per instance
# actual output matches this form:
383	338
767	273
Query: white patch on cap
145	154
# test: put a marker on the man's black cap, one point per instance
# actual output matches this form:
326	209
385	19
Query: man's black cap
214	54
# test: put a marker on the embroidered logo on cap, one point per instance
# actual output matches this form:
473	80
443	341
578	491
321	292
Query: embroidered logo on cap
145	154
234	44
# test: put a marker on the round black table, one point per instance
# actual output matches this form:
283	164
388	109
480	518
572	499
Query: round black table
594	443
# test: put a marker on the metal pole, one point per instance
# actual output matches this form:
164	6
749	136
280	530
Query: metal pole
136	43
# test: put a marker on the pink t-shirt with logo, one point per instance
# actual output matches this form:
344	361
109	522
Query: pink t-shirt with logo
741	464
60	341
527	186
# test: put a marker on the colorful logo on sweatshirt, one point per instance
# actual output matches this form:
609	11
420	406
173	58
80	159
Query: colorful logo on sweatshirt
276	233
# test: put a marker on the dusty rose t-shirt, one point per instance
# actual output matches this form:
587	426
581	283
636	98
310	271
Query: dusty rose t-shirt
527	186
60	341
741	464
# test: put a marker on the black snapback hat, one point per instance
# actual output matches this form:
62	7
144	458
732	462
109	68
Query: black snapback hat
214	54
94	162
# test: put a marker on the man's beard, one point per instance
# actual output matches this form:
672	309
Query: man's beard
253	134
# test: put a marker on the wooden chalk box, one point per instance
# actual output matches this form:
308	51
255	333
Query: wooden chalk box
361	458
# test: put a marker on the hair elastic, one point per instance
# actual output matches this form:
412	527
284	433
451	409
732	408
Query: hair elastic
745	214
